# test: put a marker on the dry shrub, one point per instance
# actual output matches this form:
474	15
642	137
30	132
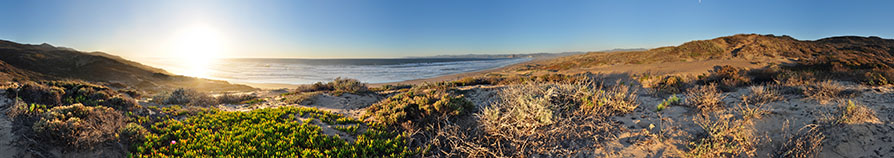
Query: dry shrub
807	142
550	120
854	113
763	94
337	86
824	92
728	77
79	126
663	84
723	137
300	98
751	111
704	97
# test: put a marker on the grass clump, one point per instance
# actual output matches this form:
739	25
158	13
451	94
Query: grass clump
824	92
704	97
78	125
723	136
263	133
854	113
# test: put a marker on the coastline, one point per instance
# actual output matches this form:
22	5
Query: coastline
416	81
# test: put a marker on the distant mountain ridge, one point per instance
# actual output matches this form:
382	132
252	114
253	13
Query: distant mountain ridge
47	62
832	52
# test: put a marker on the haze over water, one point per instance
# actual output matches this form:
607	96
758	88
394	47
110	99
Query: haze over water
306	71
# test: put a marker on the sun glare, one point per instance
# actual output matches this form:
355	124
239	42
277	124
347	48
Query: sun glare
196	48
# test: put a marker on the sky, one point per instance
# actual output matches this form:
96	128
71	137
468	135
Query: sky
399	28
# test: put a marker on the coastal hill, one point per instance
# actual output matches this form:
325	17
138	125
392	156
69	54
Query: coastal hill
46	62
844	52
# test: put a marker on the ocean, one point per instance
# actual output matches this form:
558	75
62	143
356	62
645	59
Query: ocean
305	71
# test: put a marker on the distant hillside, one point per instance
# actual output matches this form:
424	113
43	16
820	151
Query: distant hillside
846	52
46	62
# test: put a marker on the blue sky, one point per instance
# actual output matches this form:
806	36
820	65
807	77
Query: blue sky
397	28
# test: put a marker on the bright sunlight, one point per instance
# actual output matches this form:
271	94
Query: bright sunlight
196	48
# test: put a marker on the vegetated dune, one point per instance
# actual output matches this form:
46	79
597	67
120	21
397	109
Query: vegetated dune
24	62
834	53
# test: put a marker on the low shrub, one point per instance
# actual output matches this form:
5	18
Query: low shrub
78	125
704	97
182	96
419	107
727	77
32	92
336	87
805	143
663	84
824	92
230	98
763	95
723	136
273	132
854	113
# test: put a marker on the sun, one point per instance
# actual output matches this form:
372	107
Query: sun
196	48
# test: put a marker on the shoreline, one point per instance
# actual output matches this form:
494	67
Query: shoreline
415	81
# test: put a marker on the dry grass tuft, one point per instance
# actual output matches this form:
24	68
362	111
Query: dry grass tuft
824	92
723	137
854	113
763	95
705	97
552	120
807	142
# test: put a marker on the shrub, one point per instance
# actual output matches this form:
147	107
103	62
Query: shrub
763	94
672	100
543	119
78	125
728	77
392	87
230	98
854	113
805	143
346	85
337	87
663	84
723	137
419	107
823	92
134	133
120	103
876	79
704	97
184	96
